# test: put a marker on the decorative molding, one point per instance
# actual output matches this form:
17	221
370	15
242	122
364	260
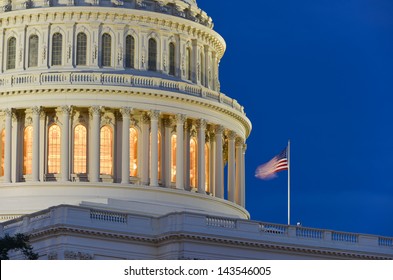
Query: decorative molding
154	115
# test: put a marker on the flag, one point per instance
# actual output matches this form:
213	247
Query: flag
278	163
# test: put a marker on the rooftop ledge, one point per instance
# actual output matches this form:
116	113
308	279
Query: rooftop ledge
213	228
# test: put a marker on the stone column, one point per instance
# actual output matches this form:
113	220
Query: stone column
201	155
180	119
36	144
154	115
145	150
95	111
239	155
125	146
231	166
167	152
219	188
243	178
186	153
212	162
8	146
65	144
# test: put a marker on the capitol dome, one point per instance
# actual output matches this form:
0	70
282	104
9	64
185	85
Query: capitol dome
117	104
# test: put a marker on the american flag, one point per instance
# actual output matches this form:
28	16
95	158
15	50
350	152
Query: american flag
276	164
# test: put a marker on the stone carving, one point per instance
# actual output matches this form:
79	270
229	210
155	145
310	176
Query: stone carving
72	255
125	111
180	118
154	114
219	129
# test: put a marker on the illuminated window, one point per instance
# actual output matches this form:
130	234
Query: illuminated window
33	51
106	50
188	61
152	61
193	162
27	150
81	46
130	51
106	150
173	158
133	152
80	149
57	47
11	53
172	59
2	152
54	149
207	168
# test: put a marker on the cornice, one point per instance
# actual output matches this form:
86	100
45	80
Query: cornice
116	16
168	237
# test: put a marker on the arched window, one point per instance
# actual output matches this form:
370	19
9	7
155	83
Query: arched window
172	59
80	149
27	150
202	72
130	51
152	61
54	149
81	46
33	51
188	61
57	48
106	50
11	53
207	168
2	145
133	152
106	150
193	162
173	158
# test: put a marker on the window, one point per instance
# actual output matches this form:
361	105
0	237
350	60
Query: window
133	152
130	51
33	51
2	146
152	66
172	59
106	150
80	149
54	149
106	52
27	150
57	47
173	158
188	61
11	53
207	168
81	45
193	162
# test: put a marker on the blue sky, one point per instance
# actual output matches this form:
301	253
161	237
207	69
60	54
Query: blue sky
319	72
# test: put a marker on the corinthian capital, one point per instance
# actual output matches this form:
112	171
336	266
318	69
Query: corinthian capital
125	111
95	110
154	115
201	124
231	135
219	129
180	118
36	110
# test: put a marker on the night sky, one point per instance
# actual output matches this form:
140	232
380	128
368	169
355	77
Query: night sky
318	72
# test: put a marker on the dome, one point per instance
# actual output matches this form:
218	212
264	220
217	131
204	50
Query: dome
117	104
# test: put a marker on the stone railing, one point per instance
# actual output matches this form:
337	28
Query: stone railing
18	81
106	216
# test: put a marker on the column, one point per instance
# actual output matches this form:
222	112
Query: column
219	188
167	152
36	144
231	166
239	155
180	119
154	115
186	152
7	150
95	111
201	155
145	150
125	146
212	162
65	144
243	178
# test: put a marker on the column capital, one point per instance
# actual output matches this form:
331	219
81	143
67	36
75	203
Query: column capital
65	109
239	141
180	118
219	129
231	135
125	112
145	118
95	110
154	115
36	110
8	112
201	124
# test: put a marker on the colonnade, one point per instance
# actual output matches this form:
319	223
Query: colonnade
159	161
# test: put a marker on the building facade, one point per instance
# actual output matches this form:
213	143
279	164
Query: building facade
114	108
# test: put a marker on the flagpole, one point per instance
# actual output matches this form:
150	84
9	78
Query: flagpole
289	181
